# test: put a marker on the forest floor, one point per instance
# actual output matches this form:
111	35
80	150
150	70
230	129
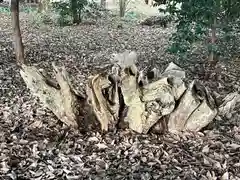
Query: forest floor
33	144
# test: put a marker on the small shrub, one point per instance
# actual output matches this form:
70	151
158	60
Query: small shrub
5	10
131	16
93	10
62	8
27	9
69	11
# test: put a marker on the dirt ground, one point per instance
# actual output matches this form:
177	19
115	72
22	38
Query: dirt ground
33	144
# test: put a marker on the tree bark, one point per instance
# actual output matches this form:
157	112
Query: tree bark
40	6
75	13
103	3
195	110
122	7
43	5
18	45
213	42
212	56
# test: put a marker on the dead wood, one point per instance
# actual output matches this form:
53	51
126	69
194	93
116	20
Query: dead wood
62	102
126	95
147	103
103	96
176	79
229	103
195	110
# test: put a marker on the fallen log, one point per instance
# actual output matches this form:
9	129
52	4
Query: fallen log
167	103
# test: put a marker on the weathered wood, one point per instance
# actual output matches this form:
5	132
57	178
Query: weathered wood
164	104
201	117
188	103
147	104
195	110
175	76
62	102
176	79
229	103
103	96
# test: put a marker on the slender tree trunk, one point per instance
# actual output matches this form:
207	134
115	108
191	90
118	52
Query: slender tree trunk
213	41
40	6
18	45
75	14
43	5
103	4
213	59
122	7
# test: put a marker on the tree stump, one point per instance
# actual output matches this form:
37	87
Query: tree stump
167	103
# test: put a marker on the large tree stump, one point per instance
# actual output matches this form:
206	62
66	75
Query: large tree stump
125	95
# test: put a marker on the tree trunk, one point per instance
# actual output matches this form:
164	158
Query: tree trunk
43	5
122	7
212	59
212	56
75	14
18	45
103	3
40	6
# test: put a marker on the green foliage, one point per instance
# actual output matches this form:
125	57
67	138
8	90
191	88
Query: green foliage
93	10
62	8
69	11
27	9
132	16
230	40
60	13
5	10
196	19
